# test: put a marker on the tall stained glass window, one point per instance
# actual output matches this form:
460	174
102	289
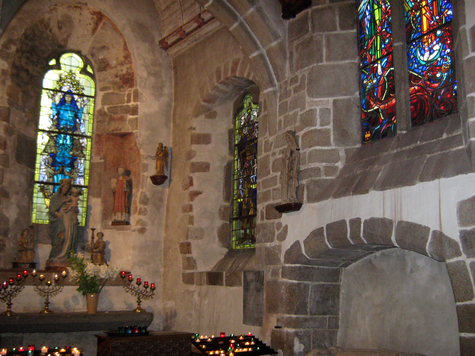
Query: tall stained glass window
64	132
376	70
245	176
430	57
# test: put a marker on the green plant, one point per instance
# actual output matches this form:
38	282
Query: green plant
89	277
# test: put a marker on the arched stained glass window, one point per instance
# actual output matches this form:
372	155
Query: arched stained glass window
245	176
377	70
64	132
430	60
430	57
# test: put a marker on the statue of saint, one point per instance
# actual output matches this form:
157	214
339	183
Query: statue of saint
122	189
63	224
162	159
26	246
290	169
99	250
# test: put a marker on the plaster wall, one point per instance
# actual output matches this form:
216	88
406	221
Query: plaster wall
398	300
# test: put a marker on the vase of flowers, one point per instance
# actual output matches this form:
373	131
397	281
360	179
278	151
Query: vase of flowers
90	278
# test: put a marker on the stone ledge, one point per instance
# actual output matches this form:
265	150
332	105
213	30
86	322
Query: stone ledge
72	322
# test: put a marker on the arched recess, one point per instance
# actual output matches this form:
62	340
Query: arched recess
32	38
317	264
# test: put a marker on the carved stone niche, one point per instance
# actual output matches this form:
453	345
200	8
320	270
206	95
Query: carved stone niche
290	8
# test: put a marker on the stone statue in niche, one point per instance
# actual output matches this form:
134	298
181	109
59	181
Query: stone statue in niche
63	222
289	175
122	189
162	163
99	250
26	249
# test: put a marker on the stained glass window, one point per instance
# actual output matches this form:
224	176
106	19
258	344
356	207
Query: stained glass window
64	132
377	70
430	56
245	176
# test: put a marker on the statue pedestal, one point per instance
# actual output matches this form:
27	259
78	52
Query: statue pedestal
24	265
288	207
158	179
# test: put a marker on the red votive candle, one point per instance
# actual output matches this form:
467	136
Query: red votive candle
222	334
10	281
21	348
145	284
249	334
25	273
139	280
31	347
18	277
130	277
122	274
4	285
152	286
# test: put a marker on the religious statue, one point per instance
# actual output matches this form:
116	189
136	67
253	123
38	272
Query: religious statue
63	222
162	162
26	248
122	189
98	250
290	169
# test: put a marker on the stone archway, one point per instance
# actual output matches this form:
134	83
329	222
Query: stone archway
308	311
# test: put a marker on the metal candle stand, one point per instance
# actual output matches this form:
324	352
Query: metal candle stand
49	289
10	290
134	289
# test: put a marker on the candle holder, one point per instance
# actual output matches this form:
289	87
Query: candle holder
49	289
10	290
143	293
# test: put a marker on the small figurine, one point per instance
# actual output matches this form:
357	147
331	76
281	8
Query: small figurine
26	249
162	163
122	189
98	250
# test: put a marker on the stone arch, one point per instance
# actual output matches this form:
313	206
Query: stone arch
328	249
25	51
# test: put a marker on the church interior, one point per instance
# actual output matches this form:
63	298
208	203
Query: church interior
244	156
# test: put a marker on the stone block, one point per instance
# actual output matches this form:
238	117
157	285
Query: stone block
461	282
302	322
293	298
294	254
272	255
277	54
466	212
233	279
25	152
433	131
366	182
253	298
188	278
346	122
378	231
325	299
442	248
299	27
324	338
324	19
340	47
223	234
466	318
200	278
187	208
319	190
200	138
271	212
333	322
355	231
199	167
311	274
211	115
400	174
337	234
113	98
323	156
345	185
308	52
215	278
446	165
308	118
334	80
315	137
315	243
467	345
265	232
282	234
5	114
346	16
467	238
412	236
309	173
189	263
185	248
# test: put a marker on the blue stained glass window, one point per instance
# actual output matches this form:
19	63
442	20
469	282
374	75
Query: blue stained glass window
64	132
378	104
430	56
245	176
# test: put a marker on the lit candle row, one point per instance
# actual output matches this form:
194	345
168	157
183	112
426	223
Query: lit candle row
138	281
44	351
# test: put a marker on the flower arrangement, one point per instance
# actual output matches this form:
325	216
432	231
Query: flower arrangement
90	278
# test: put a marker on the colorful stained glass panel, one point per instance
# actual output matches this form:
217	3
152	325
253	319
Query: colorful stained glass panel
375	39
430	56
64	134
245	176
